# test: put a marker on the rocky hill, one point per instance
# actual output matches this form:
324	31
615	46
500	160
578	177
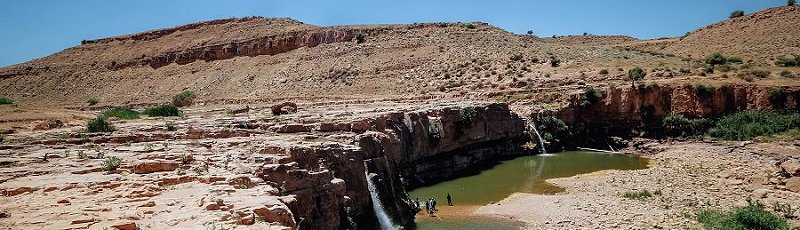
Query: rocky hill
761	37
273	59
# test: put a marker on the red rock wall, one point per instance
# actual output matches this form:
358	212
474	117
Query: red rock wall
624	106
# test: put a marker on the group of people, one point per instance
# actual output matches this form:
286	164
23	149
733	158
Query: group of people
430	205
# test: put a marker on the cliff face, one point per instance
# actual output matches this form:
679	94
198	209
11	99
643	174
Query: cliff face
322	185
628	107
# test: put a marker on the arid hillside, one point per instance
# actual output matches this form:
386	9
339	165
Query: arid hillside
761	37
273	59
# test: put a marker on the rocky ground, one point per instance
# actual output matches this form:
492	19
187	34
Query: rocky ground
685	177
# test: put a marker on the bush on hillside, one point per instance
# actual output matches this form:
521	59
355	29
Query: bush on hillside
92	101
121	113
164	110
746	125
704	90
736	14
791	2
603	71
636	74
678	125
361	38
590	97
789	62
555	62
6	101
777	98
718	59
99	124
752	216
184	98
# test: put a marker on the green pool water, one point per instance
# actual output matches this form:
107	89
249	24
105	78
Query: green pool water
524	174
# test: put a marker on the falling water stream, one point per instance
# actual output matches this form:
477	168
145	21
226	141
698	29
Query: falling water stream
383	219
541	142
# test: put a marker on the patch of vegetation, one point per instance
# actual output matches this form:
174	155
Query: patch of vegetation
787	74
791	2
361	38
789	62
680	126
470	26
92	101
717	59
555	62
777	98
704	90
640	195
184	98
6	100
552	129
749	76
170	126
121	113
603	71
164	110
516	57
736	14
752	216
99	124
636	74
746	125
111	163
468	114
590	97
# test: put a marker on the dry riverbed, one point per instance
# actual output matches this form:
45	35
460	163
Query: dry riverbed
684	178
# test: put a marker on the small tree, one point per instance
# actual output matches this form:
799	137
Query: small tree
636	74
736	14
530	32
361	38
715	59
791	2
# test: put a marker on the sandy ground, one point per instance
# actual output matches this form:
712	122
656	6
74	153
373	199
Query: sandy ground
689	177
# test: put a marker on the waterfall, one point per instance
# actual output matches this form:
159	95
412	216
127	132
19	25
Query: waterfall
541	142
383	219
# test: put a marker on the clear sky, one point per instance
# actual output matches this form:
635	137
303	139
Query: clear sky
36	28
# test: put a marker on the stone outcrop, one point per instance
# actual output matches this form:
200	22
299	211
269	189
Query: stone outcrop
626	107
321	183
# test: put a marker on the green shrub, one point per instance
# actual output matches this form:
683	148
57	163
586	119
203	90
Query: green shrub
468	114
777	98
603	71
99	124
470	26
184	98
717	59
636	74
361	38
678	125
640	195
111	163
787	74
736	14
752	216
164	110
789	62
760	73
6	101
92	101
552	129
555	62
121	113
704	90
746	125
590	97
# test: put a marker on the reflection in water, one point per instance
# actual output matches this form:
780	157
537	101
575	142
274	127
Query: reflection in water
524	174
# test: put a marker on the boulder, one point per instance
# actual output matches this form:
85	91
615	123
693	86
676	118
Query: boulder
151	166
793	184
284	108
791	167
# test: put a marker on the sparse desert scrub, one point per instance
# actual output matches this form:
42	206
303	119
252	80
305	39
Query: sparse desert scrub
164	110
6	101
752	216
92	101
640	195
184	98
99	124
111	163
121	113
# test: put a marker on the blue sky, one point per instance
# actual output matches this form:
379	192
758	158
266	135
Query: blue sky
36	28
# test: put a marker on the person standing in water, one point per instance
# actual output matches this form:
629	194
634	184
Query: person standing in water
433	204
416	205
449	199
